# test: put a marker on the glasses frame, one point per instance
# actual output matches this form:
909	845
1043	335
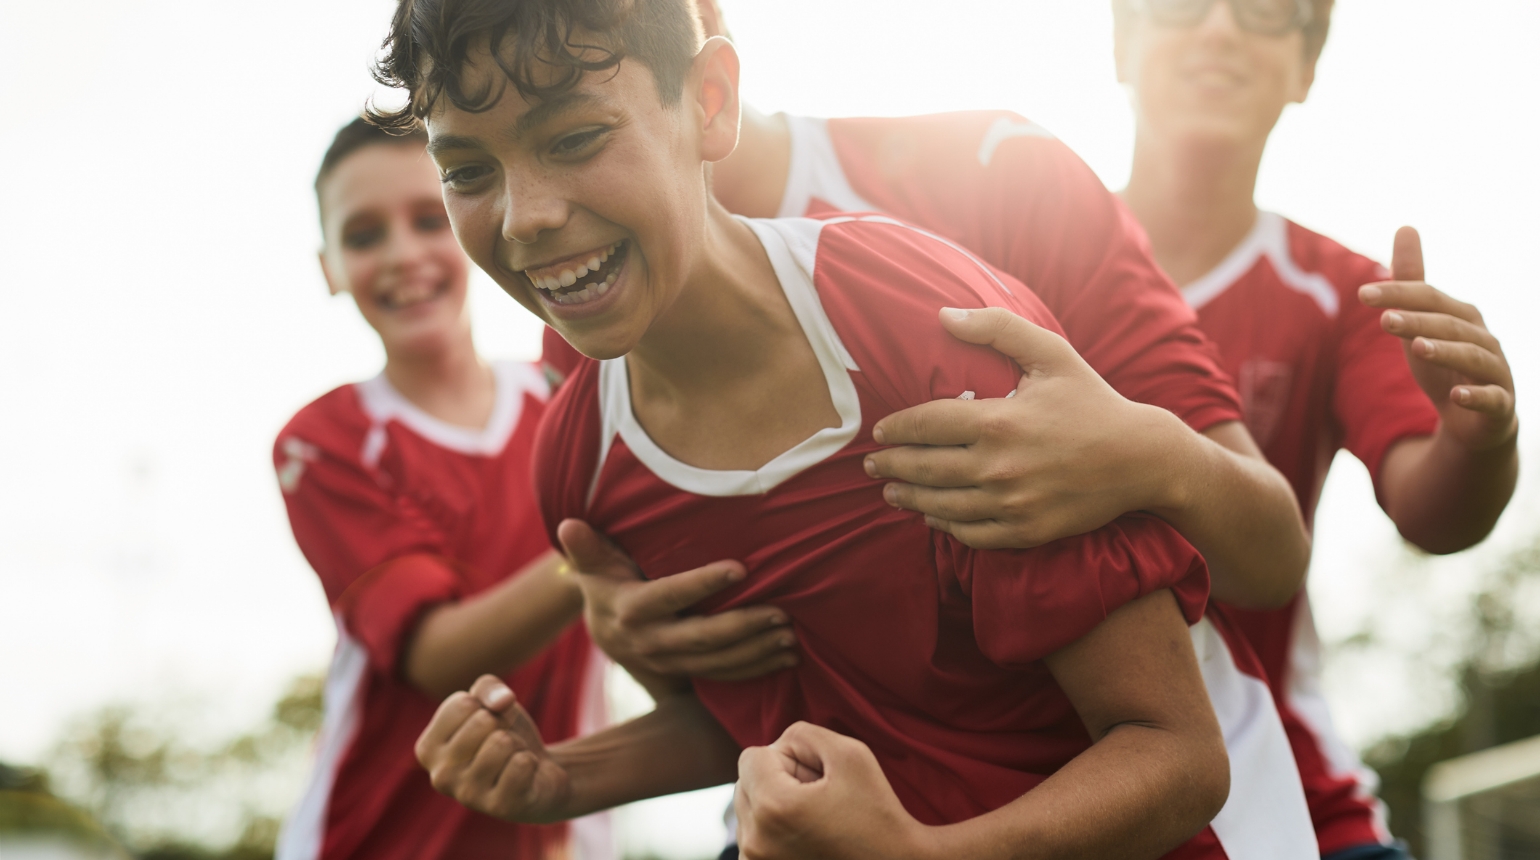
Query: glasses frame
1304	13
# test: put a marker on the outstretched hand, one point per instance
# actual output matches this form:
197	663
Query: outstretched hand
1065	455
1457	362
482	749
637	622
818	795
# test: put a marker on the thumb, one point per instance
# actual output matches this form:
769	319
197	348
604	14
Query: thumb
589	552
1406	259
1024	342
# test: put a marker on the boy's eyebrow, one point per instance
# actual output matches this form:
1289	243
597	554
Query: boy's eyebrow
533	118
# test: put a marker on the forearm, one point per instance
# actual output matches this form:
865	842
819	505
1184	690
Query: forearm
1132	794
677	747
493	632
1237	510
1444	497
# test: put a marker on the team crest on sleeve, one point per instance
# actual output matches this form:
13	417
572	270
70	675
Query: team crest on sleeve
297	454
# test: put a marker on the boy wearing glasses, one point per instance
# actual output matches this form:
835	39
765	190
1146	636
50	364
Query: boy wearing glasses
1302	324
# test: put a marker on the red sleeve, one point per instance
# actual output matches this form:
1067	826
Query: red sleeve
1028	604
381	562
1376	399
882	286
557	357
1028	205
566	453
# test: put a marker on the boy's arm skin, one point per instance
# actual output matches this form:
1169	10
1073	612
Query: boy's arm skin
1155	774
1068	454
1445	492
482	749
492	632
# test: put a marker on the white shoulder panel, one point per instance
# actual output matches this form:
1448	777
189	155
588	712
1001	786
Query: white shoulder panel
815	171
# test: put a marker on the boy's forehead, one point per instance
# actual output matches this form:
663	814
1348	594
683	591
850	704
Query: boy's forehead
623	89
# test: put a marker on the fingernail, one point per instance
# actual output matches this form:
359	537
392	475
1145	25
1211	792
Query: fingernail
735	574
786	642
499	696
1369	293
956	314
1462	395
931	522
1394	319
878	436
1426	346
890	495
870	464
775	621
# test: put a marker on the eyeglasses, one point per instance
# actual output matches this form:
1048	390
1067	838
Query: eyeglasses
1266	17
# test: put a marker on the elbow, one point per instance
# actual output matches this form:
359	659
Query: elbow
1210	786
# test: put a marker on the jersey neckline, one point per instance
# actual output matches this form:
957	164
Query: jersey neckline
792	246
1268	238
383	404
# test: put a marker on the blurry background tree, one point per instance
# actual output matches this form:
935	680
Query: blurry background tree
165	797
1499	683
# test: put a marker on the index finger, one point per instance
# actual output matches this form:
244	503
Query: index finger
447	720
940	422
663	598
1416	296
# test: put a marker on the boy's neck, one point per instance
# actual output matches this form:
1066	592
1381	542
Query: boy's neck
726	378
752	180
1196	203
452	383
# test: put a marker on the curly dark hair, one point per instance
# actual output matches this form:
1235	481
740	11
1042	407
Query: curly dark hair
1315	31
537	44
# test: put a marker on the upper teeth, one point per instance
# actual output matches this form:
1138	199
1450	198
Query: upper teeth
569	276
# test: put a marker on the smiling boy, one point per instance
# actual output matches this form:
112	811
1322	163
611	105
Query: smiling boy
1045	697
409	494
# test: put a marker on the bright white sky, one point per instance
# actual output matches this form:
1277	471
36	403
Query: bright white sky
167	314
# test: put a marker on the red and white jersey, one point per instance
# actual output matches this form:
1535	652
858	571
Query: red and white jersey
398	511
926	650
1316	373
1023	202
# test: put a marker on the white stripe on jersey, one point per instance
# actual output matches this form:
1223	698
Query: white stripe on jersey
1269	238
303	832
1266	816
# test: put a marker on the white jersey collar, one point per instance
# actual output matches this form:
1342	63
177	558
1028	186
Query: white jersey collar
383	404
792	246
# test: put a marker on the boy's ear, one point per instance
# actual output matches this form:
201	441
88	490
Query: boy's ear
326	271
710	18
713	83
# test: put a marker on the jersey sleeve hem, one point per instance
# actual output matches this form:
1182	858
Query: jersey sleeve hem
383	607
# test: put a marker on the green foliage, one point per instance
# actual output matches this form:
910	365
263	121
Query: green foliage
157	792
1500	682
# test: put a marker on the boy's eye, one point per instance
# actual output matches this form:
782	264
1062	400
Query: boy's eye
461	177
431	223
363	237
576	143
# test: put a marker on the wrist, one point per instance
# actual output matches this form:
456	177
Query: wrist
1174	459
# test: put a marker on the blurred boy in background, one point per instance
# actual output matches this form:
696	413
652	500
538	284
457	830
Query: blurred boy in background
410	494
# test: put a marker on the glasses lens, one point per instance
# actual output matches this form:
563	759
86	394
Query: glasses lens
1271	17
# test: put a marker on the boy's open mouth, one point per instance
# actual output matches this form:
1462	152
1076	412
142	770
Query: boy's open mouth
578	281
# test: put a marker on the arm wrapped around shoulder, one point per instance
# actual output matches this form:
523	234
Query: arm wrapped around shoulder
1029	603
